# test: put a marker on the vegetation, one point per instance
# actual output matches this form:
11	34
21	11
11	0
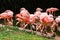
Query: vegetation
13	33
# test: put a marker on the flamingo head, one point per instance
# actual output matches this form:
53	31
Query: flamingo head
22	9
39	9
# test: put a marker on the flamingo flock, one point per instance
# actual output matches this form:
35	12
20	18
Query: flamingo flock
42	20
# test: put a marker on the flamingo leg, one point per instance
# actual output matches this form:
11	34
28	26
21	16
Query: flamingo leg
31	28
5	21
25	25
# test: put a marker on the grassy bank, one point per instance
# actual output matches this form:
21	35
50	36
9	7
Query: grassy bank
13	33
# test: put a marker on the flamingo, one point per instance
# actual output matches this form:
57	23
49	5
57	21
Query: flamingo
37	19
48	10
54	9
10	16
46	20
39	9
4	16
57	19
58	22
38	12
32	19
18	18
24	15
49	26
57	37
7	16
51	10
43	17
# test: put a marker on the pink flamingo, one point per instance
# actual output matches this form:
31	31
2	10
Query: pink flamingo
38	12
39	9
51	10
57	37
24	16
32	21
57	19
7	16
18	18
50	24
48	10
4	16
10	15
45	20
54	9
37	18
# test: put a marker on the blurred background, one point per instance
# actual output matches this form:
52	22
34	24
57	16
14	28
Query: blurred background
30	5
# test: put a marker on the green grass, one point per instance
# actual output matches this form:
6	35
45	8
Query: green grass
13	33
